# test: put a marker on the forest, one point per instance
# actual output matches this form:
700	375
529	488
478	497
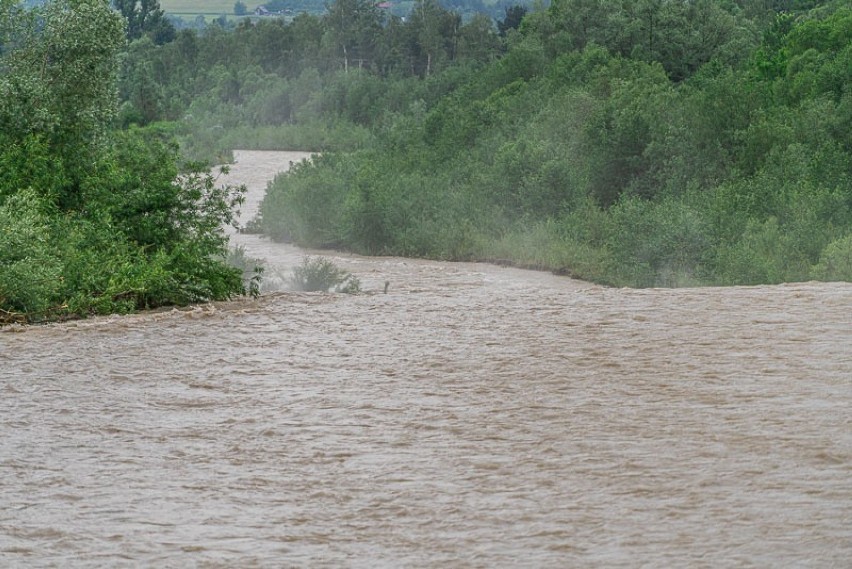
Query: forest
634	143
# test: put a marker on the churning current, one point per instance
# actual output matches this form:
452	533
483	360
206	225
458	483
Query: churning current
472	416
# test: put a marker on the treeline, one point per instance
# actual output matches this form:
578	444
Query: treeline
316	83
94	219
466	8
640	143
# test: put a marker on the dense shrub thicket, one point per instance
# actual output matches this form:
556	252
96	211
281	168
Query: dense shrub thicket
94	220
640	143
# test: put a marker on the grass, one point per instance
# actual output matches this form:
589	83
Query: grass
206	7
189	10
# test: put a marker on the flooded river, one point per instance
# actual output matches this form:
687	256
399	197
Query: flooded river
473	416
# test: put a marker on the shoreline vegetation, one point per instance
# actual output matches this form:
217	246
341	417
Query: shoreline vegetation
95	219
636	143
593	158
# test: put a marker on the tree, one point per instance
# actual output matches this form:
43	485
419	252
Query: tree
145	17
478	41
583	21
240	8
514	15
435	33
138	85
60	82
7	10
354	26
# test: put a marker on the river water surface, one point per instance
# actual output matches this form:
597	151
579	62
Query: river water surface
473	416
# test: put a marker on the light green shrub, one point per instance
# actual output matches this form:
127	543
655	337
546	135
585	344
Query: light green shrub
318	274
252	269
835	263
30	270
657	243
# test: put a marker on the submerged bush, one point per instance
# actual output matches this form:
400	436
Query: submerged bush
318	274
252	269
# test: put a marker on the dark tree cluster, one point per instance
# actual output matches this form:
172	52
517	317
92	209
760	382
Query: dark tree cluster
145	18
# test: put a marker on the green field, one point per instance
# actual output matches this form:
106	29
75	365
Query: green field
194	7
211	9
188	10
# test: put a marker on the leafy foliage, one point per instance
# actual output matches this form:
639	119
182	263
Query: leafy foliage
318	274
30	270
644	143
93	220
145	18
835	263
636	143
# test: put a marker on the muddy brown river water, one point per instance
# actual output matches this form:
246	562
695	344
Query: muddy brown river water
473	416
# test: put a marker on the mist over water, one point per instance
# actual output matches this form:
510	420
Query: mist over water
473	416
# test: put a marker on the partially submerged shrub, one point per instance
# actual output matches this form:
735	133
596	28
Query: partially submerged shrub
251	267
321	274
253	226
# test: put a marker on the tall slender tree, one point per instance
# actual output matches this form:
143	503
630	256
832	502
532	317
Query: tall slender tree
436	33
354	26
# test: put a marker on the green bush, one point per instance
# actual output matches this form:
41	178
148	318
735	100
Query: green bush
318	274
835	263
30	269
546	245
657	243
93	220
305	205
252	269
